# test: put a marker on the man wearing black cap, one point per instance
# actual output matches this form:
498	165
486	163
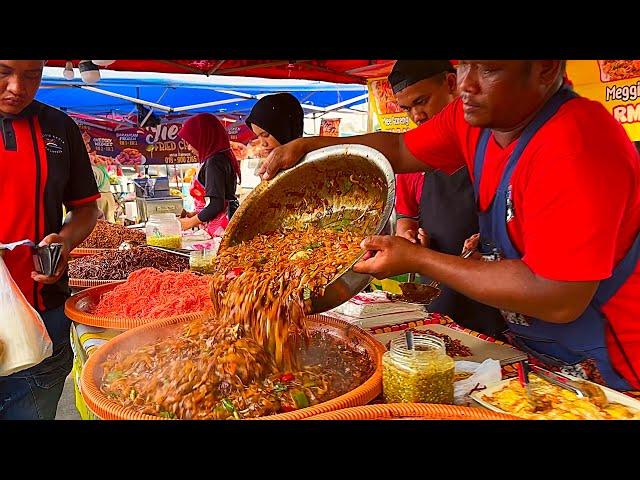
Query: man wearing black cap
435	208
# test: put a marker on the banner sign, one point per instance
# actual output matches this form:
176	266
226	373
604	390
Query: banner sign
158	145
384	109
615	84
330	127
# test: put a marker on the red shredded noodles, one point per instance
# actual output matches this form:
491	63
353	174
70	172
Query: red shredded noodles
151	294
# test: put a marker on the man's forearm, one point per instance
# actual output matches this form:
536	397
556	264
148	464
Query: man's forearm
509	285
405	224
79	224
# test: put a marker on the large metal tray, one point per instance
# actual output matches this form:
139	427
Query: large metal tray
352	184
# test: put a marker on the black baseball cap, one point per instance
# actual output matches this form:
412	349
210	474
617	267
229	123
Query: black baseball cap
408	72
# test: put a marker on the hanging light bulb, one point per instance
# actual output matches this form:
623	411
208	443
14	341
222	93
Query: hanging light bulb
103	63
68	71
89	71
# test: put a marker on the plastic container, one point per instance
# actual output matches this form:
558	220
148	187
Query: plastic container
201	261
164	230
422	375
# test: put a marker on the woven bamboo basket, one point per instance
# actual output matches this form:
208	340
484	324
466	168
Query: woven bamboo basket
85	252
78	308
107	409
412	411
82	283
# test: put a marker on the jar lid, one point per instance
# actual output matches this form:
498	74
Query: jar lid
424	345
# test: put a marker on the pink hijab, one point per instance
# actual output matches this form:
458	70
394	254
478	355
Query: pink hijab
208	136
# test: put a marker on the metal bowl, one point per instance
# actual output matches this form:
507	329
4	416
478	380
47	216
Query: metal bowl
349	184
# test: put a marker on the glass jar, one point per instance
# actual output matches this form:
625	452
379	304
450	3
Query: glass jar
164	230
423	375
202	260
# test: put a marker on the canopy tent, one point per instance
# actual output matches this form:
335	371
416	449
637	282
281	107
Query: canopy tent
117	94
337	71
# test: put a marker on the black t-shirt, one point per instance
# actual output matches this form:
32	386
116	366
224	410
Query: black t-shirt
219	182
43	165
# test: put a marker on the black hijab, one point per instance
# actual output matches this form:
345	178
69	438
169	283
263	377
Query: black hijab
280	115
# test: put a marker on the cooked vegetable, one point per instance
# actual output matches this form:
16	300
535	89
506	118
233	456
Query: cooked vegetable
254	357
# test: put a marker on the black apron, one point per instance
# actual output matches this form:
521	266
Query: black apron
234	204
566	346
449	216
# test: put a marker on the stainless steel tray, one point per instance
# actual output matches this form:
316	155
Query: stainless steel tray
352	184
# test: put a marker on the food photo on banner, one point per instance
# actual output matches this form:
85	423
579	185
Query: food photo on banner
384	112
615	84
330	127
147	146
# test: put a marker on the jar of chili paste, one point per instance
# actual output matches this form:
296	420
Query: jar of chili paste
423	374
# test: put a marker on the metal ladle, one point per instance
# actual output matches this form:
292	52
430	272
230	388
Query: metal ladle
419	293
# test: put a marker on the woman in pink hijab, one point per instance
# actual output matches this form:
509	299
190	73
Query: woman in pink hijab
214	187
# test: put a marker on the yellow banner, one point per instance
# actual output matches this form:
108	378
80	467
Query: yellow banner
384	112
615	84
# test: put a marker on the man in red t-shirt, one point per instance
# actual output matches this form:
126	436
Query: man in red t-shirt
43	165
408	196
564	224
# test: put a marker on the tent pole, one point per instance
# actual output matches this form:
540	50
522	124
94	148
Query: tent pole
209	104
336	106
125	97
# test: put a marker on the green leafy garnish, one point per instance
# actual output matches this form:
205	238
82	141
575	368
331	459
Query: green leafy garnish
114	375
340	225
279	388
228	405
300	399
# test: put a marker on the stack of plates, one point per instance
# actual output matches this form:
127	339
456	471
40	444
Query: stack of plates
374	309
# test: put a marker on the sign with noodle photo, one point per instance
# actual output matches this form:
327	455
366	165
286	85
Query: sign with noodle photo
615	84
384	109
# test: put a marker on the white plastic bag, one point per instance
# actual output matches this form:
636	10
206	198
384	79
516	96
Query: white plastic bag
22	331
485	373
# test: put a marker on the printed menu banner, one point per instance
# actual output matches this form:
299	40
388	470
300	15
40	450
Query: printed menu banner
330	127
158	145
384	109
615	84
240	136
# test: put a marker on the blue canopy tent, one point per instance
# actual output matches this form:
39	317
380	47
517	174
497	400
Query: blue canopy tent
119	94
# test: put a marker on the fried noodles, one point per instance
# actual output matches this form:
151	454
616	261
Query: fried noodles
259	359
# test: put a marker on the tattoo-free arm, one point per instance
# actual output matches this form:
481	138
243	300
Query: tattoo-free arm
510	285
79	224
